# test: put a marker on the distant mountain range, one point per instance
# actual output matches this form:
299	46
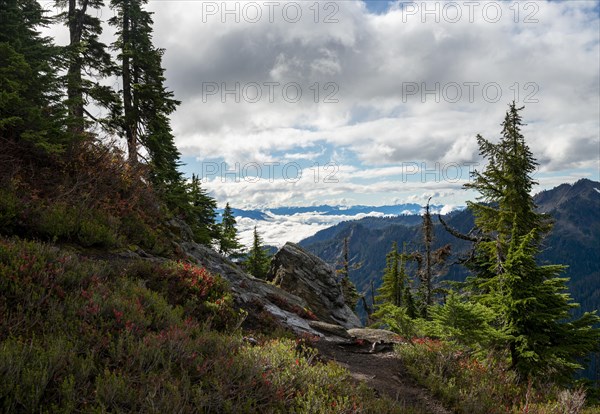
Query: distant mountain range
574	240
283	224
327	210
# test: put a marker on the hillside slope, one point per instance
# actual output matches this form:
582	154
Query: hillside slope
104	333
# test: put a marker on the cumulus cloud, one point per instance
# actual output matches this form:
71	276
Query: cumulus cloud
382	89
375	60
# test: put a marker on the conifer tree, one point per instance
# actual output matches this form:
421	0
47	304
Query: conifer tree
529	300
395	291
86	54
409	302
427	274
200	213
258	260
431	265
228	239
147	103
462	321
30	108
394	278
351	295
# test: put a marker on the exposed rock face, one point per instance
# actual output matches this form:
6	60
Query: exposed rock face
307	276
249	291
180	230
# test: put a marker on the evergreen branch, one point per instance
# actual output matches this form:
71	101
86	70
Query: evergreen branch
92	116
456	233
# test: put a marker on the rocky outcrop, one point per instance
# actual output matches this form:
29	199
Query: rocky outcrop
305	275
309	293
251	293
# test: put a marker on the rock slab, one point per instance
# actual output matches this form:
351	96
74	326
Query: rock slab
305	275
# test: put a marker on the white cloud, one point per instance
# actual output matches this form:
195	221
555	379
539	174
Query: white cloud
372	58
276	230
367	65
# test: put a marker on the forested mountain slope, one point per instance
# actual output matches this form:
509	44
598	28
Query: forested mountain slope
574	240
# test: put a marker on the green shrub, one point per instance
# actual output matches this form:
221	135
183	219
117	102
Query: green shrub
203	296
396	319
481	384
137	232
57	222
9	211
32	374
92	232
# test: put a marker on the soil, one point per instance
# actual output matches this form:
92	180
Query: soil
384	372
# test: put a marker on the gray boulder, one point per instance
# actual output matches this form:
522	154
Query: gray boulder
303	274
248	291
330	329
375	335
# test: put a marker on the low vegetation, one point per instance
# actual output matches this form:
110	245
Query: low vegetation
83	335
474	383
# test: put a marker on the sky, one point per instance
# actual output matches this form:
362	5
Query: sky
290	103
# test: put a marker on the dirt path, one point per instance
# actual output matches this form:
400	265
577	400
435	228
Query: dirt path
385	373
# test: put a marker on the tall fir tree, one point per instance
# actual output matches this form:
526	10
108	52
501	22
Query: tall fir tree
229	243
88	63
529	300
395	291
394	278
200	213
409	302
147	104
351	295
31	112
258	261
431	266
426	275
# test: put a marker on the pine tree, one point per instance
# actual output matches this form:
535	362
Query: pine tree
394	278
534	307
228	239
258	260
432	264
505	185
394	291
409	302
31	112
200	213
462	321
528	299
427	274
147	103
86	54
351	295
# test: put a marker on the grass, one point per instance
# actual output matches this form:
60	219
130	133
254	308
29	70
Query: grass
80	335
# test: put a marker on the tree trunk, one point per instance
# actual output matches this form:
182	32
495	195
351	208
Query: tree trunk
74	78
130	130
